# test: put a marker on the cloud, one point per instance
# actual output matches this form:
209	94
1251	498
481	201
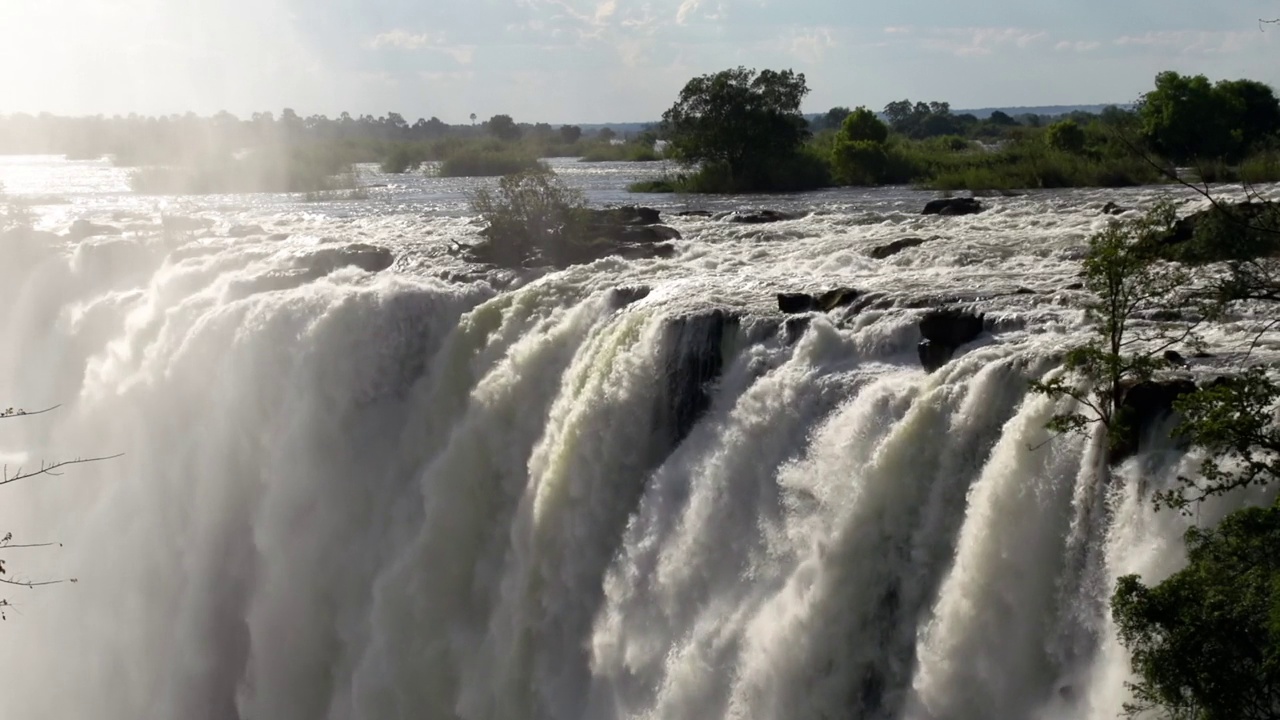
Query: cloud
404	40
809	44
1080	46
970	41
1192	42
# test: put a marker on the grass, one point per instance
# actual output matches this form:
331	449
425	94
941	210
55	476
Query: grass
626	152
488	162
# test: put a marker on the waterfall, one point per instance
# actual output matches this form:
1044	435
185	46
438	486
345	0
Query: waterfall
392	496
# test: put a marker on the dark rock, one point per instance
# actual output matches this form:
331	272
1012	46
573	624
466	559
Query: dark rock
695	213
1024	291
759	217
625	215
243	231
621	297
953	206
633	233
1142	405
82	229
883	251
1074	286
1113	209
696	361
1173	357
794	328
793	303
944	331
369	258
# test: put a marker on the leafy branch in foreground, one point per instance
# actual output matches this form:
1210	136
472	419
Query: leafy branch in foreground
1206	642
1127	285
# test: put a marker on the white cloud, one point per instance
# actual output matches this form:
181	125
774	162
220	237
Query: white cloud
1193	42
970	41
405	40
1080	46
687	8
809	44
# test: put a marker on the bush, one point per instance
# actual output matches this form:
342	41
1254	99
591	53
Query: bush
488	162
297	169
629	152
859	162
403	157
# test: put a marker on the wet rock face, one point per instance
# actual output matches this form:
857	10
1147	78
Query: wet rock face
82	229
369	258
759	217
695	364
944	331
629	232
1142	406
794	303
953	206
883	251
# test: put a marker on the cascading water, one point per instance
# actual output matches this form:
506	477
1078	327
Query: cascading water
624	490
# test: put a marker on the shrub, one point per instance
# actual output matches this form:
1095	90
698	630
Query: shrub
488	162
859	162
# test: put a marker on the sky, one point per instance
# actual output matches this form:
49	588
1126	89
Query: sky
596	61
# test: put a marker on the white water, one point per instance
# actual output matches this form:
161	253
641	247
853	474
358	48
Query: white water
417	495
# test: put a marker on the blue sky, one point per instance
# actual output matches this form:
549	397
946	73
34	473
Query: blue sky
604	60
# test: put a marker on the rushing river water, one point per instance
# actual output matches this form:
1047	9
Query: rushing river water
433	492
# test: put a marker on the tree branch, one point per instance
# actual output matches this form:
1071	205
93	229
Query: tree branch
10	413
51	469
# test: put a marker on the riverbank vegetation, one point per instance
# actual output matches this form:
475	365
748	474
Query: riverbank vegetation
742	131
734	131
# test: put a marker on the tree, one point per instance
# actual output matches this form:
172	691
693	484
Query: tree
1205	643
739	123
1001	118
1183	120
570	134
858	155
607	135
1066	136
832	120
1126	284
503	128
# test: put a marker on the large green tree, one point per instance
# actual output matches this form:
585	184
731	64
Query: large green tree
1186	118
1205	643
739	123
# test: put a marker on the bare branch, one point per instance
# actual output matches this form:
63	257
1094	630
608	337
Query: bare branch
19	583
26	547
50	469
10	413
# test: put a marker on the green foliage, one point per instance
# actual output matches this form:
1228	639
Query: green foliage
1186	118
1205	643
483	161
1126	284
862	125
745	131
529	207
403	157
1066	136
831	120
1233	422
503	128
859	162
570	134
276	169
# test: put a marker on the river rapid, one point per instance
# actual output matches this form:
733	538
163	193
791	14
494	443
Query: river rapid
625	490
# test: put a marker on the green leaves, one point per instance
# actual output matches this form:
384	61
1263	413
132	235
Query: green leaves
1206	642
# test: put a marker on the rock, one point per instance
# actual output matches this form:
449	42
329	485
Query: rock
1024	291
633	233
369	258
621	297
1141	406
178	223
82	229
696	361
1074	286
953	206
243	231
794	328
695	213
794	303
759	217
883	251
1173	357
944	331
625	215
1113	209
